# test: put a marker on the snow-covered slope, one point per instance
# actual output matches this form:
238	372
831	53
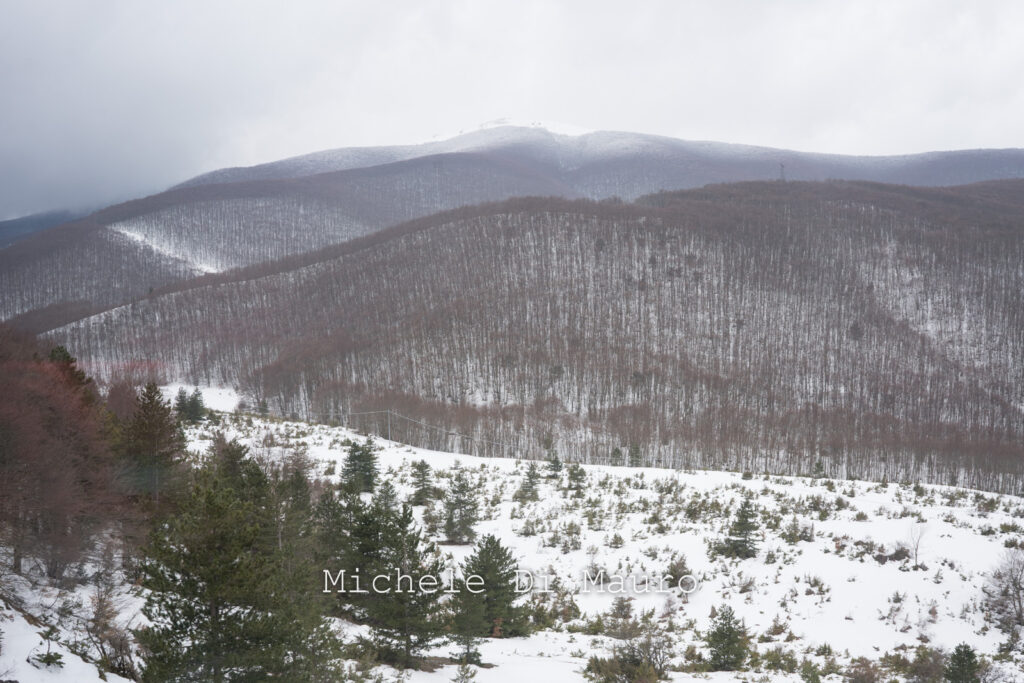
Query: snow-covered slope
880	569
836	595
21	642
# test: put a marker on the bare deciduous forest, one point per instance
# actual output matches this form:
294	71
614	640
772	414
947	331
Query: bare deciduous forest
874	331
128	250
244	216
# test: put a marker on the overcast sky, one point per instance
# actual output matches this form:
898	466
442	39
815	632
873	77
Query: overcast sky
105	100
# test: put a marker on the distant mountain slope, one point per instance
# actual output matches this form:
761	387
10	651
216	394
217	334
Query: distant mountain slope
241	217
190	231
761	326
18	228
605	163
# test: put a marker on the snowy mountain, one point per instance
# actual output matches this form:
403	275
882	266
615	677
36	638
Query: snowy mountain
241	217
592	161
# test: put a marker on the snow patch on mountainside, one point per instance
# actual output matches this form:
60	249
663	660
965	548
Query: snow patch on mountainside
163	248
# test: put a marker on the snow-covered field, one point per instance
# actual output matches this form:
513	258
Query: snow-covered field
831	594
834	596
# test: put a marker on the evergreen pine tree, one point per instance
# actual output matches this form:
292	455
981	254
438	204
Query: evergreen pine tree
423	488
73	374
181	404
741	542
195	408
154	445
528	490
379	539
577	478
963	666
312	651
464	674
341	524
189	407
292	511
219	604
360	469
616	457
554	465
432	519
468	622
407	619
460	510
728	642
494	563
387	496
331	521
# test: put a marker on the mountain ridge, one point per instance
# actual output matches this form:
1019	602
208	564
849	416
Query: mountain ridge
572	146
128	250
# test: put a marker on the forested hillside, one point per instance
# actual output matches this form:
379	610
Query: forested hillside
239	217
872	331
171	237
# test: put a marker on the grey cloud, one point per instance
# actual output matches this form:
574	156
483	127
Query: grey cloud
107	100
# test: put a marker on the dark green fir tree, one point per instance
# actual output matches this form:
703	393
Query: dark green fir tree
189	407
223	604
468	622
528	489
181	404
196	408
963	665
359	472
728	642
423	487
741	542
153	445
409	617
576	478
554	465
460	510
495	565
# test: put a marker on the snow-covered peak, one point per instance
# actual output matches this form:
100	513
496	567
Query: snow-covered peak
550	126
513	125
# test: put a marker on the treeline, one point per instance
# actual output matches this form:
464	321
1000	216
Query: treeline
78	468
876	330
243	560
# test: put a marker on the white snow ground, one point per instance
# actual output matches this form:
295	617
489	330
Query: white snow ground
221	399
21	641
830	591
827	592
